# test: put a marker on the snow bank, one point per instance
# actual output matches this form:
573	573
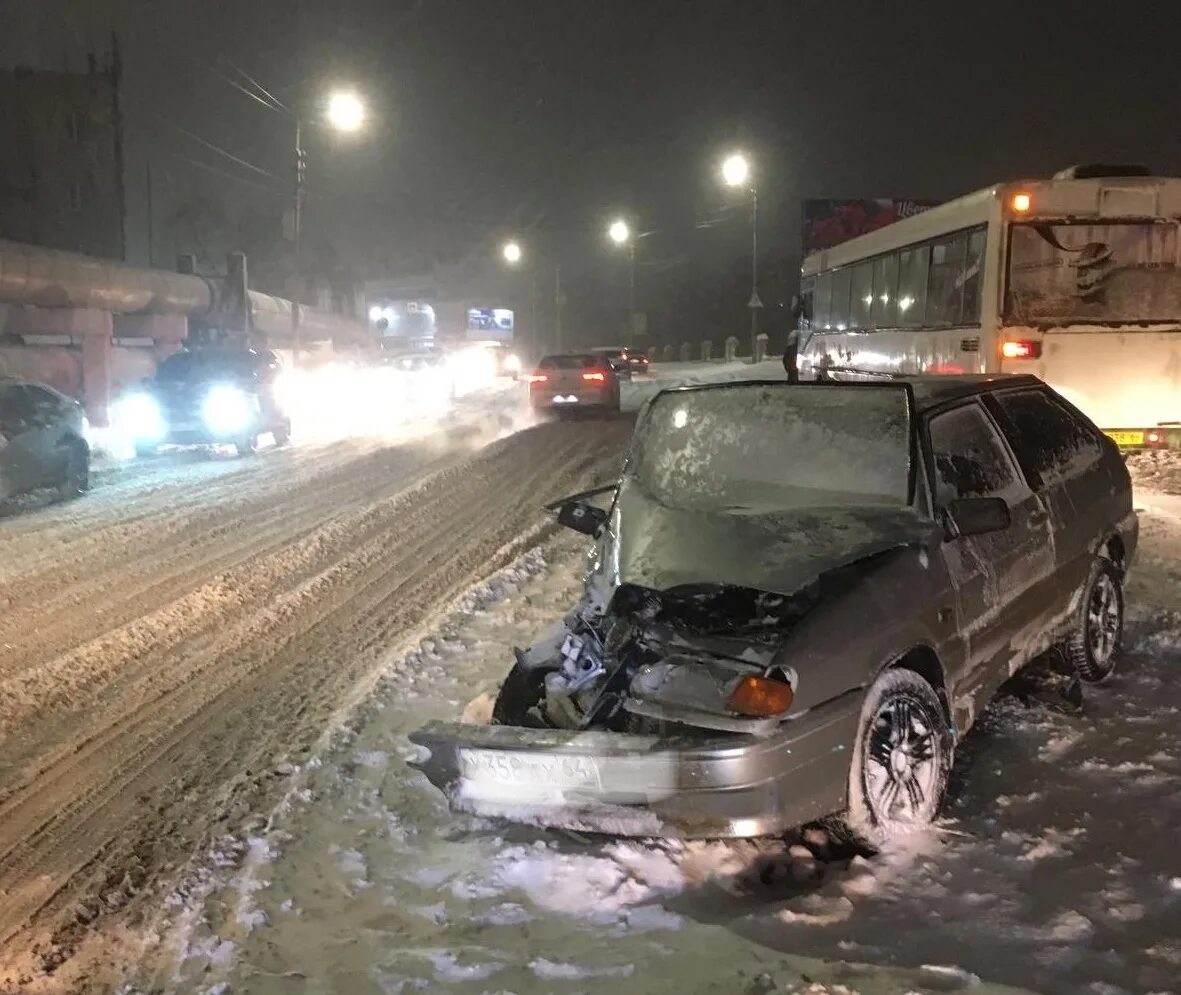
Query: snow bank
633	393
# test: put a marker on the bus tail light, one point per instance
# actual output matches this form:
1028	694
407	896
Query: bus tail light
1154	437
1021	349
1021	203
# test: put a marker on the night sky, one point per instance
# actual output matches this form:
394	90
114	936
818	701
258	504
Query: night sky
542	119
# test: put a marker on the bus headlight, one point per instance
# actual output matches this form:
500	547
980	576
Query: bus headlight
227	411
140	417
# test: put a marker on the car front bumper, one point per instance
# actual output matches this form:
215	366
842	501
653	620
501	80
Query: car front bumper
627	785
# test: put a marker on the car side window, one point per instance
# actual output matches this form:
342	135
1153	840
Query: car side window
16	409
969	457
1049	440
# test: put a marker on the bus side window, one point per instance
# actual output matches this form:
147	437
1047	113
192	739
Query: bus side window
945	280
885	291
973	277
821	316
838	314
912	285
861	299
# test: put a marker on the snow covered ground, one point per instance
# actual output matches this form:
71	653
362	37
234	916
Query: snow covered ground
633	393
1055	869
171	641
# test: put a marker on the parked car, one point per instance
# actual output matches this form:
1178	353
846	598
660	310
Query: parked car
207	396
801	598
42	440
574	381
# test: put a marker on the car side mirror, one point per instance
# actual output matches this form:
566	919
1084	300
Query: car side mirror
976	516
580	517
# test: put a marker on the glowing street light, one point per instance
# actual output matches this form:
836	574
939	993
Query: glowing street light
511	251
736	172
619	232
345	111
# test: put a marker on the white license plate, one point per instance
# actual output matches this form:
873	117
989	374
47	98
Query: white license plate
549	770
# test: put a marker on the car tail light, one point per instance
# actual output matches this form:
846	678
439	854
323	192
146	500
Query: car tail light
536	378
594	377
761	697
1021	349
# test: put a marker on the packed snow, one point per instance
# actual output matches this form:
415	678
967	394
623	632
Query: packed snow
1051	870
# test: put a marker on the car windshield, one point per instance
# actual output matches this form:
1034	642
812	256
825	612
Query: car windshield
191	367
568	362
760	447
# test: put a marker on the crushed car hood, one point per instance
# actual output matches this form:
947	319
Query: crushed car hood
779	551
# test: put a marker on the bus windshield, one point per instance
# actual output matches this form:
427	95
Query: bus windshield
1103	274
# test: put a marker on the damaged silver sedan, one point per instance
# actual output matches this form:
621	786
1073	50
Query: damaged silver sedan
799	599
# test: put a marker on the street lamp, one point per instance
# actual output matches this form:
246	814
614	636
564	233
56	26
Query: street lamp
511	251
345	111
621	234
736	172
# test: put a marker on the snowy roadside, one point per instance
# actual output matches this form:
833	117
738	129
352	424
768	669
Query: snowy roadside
634	393
1050	871
363	882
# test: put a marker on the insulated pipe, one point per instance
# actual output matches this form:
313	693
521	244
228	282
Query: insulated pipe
36	277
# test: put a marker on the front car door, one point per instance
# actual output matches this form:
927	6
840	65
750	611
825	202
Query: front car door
993	574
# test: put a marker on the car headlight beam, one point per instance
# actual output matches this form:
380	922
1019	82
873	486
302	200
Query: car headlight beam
227	411
140	416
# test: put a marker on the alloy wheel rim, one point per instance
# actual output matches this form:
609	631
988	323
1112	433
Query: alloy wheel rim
1103	619
902	762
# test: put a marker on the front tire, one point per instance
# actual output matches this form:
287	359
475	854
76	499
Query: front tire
76	480
901	759
1093	644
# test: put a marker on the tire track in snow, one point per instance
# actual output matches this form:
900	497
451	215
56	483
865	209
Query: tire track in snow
136	741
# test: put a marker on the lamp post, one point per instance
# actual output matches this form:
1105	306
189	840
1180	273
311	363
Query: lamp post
346	114
512	254
621	234
736	172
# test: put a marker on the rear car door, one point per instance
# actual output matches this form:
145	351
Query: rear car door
994	574
1062	457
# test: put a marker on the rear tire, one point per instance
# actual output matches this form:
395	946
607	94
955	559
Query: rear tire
76	481
901	759
1093	644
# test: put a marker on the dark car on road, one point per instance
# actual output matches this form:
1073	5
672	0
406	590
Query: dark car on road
802	597
623	360
574	382
42	440
209	396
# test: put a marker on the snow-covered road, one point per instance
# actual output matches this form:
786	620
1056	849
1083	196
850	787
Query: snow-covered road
1055	870
174	639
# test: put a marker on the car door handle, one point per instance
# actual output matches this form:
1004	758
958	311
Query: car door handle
1038	518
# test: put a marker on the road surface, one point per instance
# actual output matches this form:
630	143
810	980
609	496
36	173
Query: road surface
176	637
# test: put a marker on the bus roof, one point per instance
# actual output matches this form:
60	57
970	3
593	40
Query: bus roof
1121	198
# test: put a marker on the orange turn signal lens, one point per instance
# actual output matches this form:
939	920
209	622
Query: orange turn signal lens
1021	203
761	697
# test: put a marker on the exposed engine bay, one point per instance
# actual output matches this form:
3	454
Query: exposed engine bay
704	657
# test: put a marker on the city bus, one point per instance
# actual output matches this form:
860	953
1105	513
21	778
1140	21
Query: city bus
1076	279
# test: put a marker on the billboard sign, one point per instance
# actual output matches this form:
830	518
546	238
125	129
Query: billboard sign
831	222
490	323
